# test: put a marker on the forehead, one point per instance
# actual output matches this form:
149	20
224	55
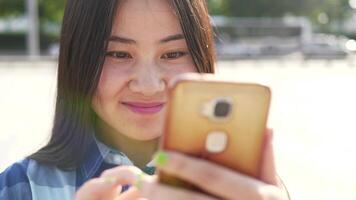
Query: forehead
143	5
135	16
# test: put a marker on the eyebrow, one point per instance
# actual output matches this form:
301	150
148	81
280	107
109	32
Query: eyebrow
124	40
172	38
116	38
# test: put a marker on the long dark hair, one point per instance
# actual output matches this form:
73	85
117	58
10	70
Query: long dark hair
85	29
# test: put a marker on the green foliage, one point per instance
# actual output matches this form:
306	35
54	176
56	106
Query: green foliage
336	10
11	7
49	10
218	7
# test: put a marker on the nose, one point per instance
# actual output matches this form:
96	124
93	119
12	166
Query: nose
147	80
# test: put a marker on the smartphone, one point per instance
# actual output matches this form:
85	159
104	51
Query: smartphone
217	120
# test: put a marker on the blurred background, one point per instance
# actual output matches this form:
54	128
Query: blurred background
303	49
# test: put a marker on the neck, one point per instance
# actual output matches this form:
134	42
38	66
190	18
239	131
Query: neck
139	152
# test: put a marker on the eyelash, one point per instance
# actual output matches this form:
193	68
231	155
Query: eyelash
119	54
124	55
175	54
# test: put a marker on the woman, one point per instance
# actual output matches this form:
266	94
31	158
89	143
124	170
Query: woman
116	58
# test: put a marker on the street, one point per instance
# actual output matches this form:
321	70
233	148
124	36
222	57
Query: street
312	113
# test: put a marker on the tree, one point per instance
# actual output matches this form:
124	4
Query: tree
335	9
49	10
11	7
255	8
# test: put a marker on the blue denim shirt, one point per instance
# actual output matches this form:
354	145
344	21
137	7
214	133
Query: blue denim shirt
30	180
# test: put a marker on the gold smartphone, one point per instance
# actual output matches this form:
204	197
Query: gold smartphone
217	120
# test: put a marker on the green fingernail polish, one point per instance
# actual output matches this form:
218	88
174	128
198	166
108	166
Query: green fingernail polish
161	158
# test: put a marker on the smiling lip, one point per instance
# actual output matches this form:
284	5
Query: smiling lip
144	108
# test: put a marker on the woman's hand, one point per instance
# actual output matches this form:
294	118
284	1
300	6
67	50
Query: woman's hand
217	180
108	187
225	183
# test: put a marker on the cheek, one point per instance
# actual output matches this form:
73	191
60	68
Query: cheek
112	81
174	71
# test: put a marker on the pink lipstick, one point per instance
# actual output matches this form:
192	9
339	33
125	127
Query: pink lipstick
144	108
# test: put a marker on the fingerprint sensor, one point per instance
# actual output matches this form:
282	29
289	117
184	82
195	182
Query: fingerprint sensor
216	142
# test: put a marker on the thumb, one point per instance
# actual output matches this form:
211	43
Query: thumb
268	169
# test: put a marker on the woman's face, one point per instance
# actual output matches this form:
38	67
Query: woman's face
146	49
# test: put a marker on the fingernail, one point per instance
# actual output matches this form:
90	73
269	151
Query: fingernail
161	158
107	180
139	181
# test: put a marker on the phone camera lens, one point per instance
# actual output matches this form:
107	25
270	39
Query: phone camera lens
222	109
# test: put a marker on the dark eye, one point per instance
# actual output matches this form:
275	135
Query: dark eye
173	55
119	54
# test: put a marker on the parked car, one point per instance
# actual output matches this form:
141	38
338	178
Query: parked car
236	50
326	47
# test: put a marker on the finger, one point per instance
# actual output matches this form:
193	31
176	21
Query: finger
268	168
156	191
151	190
98	188
105	185
123	175
211	177
129	175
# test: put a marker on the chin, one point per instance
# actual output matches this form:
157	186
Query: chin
145	135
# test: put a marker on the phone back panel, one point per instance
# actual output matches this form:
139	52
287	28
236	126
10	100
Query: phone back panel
186	129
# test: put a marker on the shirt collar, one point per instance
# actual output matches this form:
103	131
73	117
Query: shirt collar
98	153
112	156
